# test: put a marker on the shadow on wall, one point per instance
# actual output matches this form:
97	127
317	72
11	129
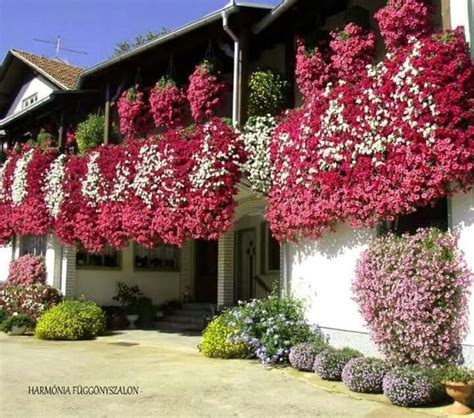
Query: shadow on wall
467	212
333	244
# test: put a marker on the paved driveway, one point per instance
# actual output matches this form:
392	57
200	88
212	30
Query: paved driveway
164	375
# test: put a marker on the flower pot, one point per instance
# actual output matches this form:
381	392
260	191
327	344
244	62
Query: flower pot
18	330
462	394
131	320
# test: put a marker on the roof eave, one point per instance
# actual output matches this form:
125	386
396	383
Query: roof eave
214	16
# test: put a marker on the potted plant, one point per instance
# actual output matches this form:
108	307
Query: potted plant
17	324
128	297
459	383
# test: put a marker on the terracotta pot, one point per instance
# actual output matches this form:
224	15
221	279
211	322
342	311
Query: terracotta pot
462	393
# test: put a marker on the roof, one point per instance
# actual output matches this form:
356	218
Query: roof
229	8
58	72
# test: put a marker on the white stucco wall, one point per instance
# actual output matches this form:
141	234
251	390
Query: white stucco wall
321	273
35	85
462	224
99	285
6	255
461	13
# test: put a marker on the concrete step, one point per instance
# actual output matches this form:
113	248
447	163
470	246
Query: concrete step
197	306
185	319
178	326
191	313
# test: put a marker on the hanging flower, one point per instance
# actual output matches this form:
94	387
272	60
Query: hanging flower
205	92
135	119
168	104
256	138
54	194
401	20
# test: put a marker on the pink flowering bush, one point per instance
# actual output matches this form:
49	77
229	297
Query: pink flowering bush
30	300
134	114
168	104
205	92
412	291
27	269
353	49
401	19
393	139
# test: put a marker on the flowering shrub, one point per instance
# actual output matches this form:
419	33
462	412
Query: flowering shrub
364	375
270	327
26	270
168	104
328	364
395	138
205	91
256	139
16	320
312	71
409	386
134	115
423	317
30	300
400	20
71	320
303	355
267	93
216	340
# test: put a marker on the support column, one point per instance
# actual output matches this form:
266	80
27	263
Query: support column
186	271
226	270
68	272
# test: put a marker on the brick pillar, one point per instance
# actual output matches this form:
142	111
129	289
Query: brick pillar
226	270
68	272
186	270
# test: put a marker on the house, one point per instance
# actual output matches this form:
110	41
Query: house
246	261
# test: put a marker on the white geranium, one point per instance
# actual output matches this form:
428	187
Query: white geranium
256	139
20	176
54	194
90	184
2	173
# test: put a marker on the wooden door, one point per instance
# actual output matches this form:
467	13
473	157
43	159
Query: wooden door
246	267
206	271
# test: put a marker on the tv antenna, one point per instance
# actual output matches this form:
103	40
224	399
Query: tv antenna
59	48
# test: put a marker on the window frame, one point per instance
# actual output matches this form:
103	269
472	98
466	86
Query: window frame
102	267
265	251
23	245
177	269
28	101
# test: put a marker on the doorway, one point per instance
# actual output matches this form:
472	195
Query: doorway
206	271
246	268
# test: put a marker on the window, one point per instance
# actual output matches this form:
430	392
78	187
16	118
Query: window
110	258
29	101
161	258
431	216
33	245
270	251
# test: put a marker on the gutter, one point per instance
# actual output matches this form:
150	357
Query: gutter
237	72
272	16
210	18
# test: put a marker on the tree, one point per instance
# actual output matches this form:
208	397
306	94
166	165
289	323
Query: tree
125	46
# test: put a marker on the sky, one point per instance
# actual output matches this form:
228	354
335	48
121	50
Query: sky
92	26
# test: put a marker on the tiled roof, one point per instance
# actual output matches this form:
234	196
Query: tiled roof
57	71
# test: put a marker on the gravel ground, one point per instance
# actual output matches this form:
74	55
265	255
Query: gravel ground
166	376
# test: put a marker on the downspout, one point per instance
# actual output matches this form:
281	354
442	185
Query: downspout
237	78
273	15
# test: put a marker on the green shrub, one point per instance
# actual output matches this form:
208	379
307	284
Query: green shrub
71	320
216	340
17	320
3	315
90	133
330	363
267	93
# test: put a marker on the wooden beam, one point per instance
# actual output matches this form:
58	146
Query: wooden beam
61	132
446	14
107	116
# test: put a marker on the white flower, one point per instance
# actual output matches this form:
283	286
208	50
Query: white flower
54	194
20	178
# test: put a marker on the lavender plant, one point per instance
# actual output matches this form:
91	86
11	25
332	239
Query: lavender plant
302	355
409	386
270	327
365	375
330	363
